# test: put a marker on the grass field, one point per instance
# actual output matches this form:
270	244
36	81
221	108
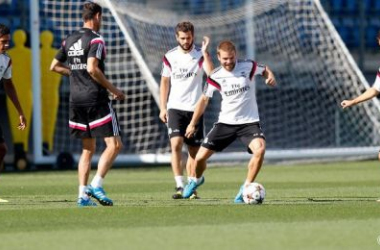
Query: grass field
309	206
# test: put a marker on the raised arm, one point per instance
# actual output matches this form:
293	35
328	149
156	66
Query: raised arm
208	66
368	94
198	112
164	93
12	94
100	78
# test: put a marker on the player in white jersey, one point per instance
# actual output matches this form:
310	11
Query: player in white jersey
367	95
6	79
180	89
238	117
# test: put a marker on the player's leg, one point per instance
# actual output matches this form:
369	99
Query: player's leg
176	144
196	177
103	123
177	123
84	168
252	136
379	160
3	148
95	189
3	152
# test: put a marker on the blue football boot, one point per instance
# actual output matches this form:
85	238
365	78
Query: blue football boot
99	194
191	187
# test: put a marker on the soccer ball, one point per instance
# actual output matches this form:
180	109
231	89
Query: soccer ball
254	193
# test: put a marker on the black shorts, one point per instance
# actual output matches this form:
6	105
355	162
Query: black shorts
178	120
1	135
222	135
92	122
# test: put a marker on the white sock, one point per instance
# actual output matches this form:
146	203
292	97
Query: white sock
82	194
97	181
178	181
191	179
246	183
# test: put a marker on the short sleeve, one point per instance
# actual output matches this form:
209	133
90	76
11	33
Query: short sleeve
8	71
210	87
257	69
166	67
97	48
376	85
61	54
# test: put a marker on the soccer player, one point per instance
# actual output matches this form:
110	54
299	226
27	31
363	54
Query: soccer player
238	118
181	76
91	111
367	95
6	79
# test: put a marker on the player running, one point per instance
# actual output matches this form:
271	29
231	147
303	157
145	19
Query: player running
181	75
367	95
238	118
91	111
6	79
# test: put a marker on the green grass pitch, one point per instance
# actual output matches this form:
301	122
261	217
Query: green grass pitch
308	206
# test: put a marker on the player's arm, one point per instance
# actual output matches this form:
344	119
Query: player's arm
59	67
164	93
368	94
100	78
198	112
269	77
10	90
208	66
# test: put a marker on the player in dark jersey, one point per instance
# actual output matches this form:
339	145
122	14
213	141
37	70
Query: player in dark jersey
6	79
91	112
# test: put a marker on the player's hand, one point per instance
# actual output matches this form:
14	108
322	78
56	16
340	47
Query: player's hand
346	103
22	124
205	43
271	81
190	130
164	116
118	95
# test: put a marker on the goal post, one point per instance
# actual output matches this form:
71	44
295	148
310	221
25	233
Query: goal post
301	117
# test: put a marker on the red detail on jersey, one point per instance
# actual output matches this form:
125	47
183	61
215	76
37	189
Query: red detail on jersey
97	40
213	83
166	61
378	73
200	62
254	66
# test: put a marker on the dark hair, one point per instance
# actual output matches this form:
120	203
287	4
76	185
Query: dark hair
184	27
378	35
90	9
4	30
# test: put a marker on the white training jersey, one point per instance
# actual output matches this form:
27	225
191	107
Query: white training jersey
376	85
237	89
5	67
186	72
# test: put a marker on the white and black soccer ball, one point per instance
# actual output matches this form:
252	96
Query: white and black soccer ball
254	193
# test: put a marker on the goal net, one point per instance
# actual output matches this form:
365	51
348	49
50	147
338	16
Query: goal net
301	117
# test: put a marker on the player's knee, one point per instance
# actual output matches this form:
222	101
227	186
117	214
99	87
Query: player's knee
378	156
176	147
259	152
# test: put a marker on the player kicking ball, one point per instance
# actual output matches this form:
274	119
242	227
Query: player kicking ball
238	117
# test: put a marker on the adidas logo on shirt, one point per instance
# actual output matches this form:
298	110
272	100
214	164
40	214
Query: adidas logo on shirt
76	49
